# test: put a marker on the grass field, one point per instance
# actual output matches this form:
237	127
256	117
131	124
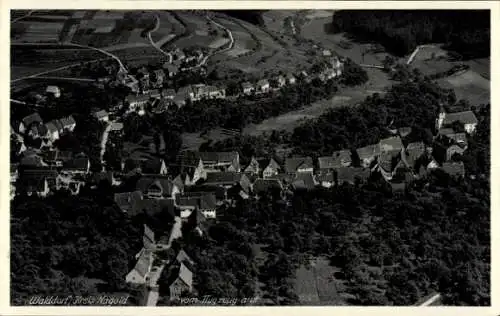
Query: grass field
469	85
290	120
315	284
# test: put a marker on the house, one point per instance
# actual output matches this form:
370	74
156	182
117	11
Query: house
139	274
201	91
368	154
32	159
68	123
37	131
456	169
183	282
467	119
129	202
77	165
182	257
221	161
53	130
392	145
54	90
159	77
290	79
337	65
271	168
326	53
157	186
57	157
454	150
168	94
204	201
247	88
146	166
404	131
387	163
148	239
341	158
196	220
278	82
298	164
351	175
192	167
326	179
455	138
136	102
265	186
68	182
262	86
304	181
101	116
412	153
38	181
27	121
116	127
171	69
229	179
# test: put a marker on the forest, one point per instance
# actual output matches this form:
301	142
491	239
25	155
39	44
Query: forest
466	32
78	245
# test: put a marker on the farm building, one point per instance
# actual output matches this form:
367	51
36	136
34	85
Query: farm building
54	90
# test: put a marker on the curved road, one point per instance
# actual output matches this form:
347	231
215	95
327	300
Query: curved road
122	67
157	25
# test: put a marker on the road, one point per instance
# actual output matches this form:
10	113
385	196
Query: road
104	141
56	69
22	17
157	25
415	52
122	67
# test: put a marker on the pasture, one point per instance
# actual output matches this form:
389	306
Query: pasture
468	85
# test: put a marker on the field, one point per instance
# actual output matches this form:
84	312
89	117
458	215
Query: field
470	86
315	284
290	120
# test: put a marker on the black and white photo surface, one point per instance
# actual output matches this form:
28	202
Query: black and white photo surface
250	157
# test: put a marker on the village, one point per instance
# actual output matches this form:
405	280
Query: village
190	193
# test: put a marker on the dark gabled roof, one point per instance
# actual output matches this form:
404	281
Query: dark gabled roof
264	185
204	201
218	157
292	164
32	118
156	206
459	138
61	155
147	166
31	160
247	85
223	178
387	161
404	131
189	158
349	174
326	177
304	181
338	159
412	152
454	168
149	180
465	117
446	131
52	126
34	179
80	164
128	202
67	121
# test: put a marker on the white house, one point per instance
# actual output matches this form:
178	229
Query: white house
263	85
54	90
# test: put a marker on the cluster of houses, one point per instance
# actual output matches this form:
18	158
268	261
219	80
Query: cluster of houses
160	99
34	126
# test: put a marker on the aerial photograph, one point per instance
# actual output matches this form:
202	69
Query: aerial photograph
250	157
